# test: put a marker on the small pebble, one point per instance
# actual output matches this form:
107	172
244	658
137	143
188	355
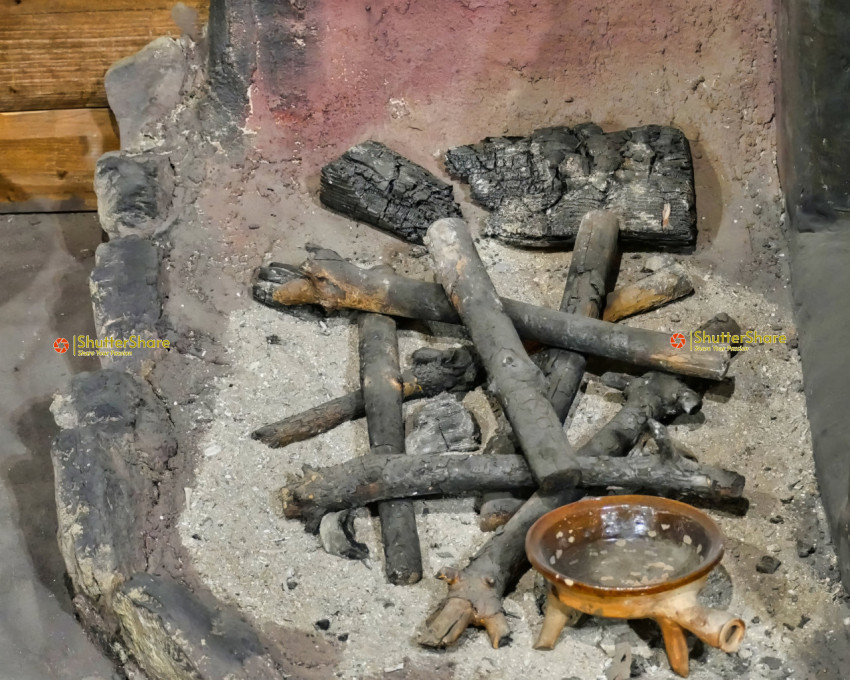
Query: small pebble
771	662
323	624
768	564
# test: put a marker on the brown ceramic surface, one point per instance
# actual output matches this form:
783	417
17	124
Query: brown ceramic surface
623	517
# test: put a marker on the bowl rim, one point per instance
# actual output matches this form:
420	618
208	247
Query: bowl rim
533	544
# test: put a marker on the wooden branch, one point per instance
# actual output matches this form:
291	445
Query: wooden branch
514	379
373	478
381	385
373	184
656	290
591	273
590	276
475	593
432	371
329	281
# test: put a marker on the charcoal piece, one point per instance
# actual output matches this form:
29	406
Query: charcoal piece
768	564
442	424
539	187
373	184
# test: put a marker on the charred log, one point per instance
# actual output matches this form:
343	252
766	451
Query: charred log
334	284
650	292
373	184
539	187
514	379
373	478
381	385
590	276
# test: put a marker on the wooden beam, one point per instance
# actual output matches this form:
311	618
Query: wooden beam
54	53
49	158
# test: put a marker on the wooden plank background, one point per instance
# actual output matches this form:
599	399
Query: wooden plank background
54	53
53	120
49	158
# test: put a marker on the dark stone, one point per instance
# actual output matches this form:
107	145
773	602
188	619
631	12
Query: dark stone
805	546
767	564
112	450
125	295
442	424
373	184
177	634
539	187
771	662
133	192
323	624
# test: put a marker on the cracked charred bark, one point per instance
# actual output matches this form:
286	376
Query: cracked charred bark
373	184
539	187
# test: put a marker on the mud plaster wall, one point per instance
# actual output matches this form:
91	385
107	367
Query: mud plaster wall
424	76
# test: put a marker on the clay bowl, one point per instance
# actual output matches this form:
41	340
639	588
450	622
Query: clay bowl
632	557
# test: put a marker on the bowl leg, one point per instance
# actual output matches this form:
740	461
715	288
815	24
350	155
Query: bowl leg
675	644
557	616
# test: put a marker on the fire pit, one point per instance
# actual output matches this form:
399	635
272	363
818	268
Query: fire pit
182	565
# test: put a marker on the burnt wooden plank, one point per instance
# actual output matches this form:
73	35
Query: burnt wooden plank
539	187
372	183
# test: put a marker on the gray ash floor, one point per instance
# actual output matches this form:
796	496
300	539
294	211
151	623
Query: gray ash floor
275	572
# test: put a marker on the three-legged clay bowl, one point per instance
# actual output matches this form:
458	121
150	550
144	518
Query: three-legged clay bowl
632	557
